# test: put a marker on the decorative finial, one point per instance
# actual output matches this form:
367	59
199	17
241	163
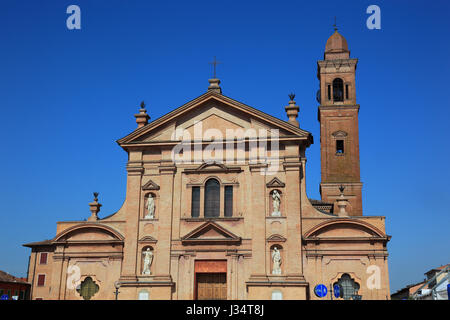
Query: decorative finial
341	188
334	25
96	196
142	117
292	111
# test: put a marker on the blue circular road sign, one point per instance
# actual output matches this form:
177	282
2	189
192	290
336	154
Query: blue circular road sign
337	291
320	290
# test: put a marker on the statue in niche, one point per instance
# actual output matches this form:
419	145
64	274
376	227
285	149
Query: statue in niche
276	200
148	259
150	207
276	259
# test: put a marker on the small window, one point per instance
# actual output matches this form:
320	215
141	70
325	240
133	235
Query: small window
195	205
228	201
43	259
346	91
143	295
41	280
329	92
277	295
339	146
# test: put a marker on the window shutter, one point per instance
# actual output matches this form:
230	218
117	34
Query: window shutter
43	259
228	201
212	198
41	280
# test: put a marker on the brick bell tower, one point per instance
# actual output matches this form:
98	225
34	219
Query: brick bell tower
338	117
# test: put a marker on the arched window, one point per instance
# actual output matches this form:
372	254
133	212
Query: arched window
212	198
348	285
338	90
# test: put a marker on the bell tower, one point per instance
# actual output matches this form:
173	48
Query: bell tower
338	117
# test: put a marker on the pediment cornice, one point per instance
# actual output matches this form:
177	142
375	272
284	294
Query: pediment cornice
217	97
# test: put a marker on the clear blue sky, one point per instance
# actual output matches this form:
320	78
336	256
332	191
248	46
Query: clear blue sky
67	95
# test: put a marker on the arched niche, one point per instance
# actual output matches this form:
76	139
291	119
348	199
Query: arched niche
151	205
276	268
147	260
275	195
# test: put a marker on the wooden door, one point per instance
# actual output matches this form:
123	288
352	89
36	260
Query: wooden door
211	286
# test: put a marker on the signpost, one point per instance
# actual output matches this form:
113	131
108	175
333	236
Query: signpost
320	290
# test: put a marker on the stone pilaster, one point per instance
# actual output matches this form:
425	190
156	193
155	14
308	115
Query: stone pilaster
294	263
258	210
162	259
132	205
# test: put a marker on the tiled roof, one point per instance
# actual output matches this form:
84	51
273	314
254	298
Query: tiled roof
6	277
438	268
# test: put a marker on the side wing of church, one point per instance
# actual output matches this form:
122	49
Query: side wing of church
216	208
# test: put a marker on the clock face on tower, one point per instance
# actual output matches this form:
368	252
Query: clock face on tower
318	96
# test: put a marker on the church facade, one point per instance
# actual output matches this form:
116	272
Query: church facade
216	208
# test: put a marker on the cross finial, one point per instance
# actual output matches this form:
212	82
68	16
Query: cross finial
334	25
215	63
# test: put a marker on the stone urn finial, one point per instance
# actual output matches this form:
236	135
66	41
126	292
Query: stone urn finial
342	202
292	110
95	208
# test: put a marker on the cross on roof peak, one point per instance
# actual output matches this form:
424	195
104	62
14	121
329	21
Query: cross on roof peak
215	63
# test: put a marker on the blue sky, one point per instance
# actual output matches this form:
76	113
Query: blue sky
67	95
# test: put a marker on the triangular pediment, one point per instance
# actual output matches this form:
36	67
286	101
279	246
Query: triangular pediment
215	111
210	233
150	185
275	183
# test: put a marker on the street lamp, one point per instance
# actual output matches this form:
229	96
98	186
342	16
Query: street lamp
117	286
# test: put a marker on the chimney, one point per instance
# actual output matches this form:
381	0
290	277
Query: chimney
95	208
292	111
142	117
